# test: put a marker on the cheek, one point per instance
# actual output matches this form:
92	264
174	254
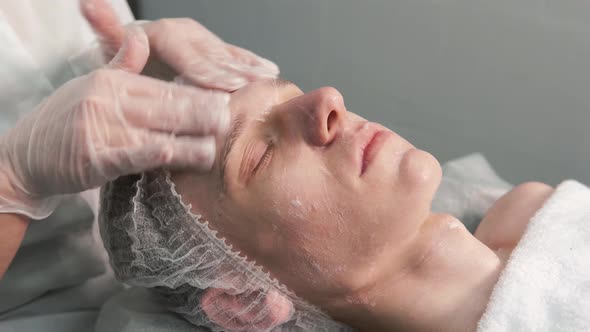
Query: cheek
297	185
296	201
299	199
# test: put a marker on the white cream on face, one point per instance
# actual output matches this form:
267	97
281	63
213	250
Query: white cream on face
296	203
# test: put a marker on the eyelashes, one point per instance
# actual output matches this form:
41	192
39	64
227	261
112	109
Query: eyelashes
265	159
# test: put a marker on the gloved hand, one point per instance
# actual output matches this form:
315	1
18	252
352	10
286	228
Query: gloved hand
183	49
103	125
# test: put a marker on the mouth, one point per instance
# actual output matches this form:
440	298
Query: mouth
370	147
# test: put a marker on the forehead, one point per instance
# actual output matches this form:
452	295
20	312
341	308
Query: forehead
259	96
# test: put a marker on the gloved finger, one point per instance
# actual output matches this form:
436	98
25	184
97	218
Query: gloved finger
222	76
192	153
159	150
249	73
130	84
133	54
154	104
104	21
230	72
211	77
202	112
256	62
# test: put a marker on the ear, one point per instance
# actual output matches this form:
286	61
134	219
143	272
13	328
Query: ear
253	311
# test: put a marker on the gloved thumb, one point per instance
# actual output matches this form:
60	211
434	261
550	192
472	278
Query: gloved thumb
134	53
106	24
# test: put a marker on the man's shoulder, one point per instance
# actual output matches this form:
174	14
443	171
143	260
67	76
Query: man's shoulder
505	222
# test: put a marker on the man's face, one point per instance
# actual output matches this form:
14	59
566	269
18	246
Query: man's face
317	195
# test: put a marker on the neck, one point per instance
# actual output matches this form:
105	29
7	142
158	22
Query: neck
445	286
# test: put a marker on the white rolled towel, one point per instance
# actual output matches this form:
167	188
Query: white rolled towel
545	285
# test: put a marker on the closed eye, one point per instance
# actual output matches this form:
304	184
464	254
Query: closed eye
265	159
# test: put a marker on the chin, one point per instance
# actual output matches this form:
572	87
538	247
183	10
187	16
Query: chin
419	169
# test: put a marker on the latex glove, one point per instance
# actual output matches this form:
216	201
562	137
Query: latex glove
103	125
183	49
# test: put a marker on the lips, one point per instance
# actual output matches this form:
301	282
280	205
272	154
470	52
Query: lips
370	148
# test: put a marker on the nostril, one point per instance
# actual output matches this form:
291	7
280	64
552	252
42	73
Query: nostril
332	120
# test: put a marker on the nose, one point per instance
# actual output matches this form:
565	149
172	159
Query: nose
324	115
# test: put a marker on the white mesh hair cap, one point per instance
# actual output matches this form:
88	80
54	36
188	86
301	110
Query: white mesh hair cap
154	241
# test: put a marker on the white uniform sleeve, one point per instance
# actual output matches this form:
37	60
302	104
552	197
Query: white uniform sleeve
123	11
59	268
53	31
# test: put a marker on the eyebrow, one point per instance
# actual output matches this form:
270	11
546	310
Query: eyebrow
236	129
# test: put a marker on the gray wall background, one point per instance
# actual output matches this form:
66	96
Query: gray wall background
508	78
